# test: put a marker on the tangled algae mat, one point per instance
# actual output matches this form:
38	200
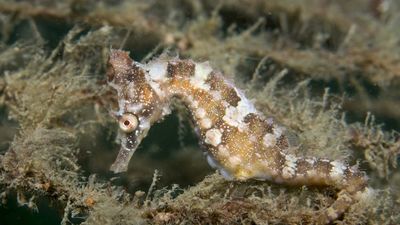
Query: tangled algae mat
328	70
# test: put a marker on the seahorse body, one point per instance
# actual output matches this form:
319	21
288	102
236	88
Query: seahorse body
241	142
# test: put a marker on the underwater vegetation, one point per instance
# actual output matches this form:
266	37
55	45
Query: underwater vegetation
329	71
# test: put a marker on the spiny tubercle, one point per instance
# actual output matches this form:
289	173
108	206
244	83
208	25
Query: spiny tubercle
240	142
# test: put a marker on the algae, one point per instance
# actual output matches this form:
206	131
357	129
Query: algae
327	70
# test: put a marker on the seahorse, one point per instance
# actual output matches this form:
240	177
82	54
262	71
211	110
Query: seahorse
240	142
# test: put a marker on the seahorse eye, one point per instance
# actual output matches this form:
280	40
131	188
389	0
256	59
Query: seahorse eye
128	122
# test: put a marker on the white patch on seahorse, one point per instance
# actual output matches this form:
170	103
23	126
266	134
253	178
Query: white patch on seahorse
311	161
278	131
132	91
223	151
166	110
200	113
337	170
195	104
289	169
205	123
253	138
269	140
202	70
270	121
144	123
213	137
121	104
312	173
134	107
234	161
156	87
234	115
216	95
157	69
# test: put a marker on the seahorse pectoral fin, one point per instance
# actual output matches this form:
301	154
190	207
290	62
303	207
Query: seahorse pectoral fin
129	144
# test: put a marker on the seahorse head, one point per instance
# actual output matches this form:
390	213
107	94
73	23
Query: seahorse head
140	103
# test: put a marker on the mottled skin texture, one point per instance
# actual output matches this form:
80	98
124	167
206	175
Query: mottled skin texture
240	142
